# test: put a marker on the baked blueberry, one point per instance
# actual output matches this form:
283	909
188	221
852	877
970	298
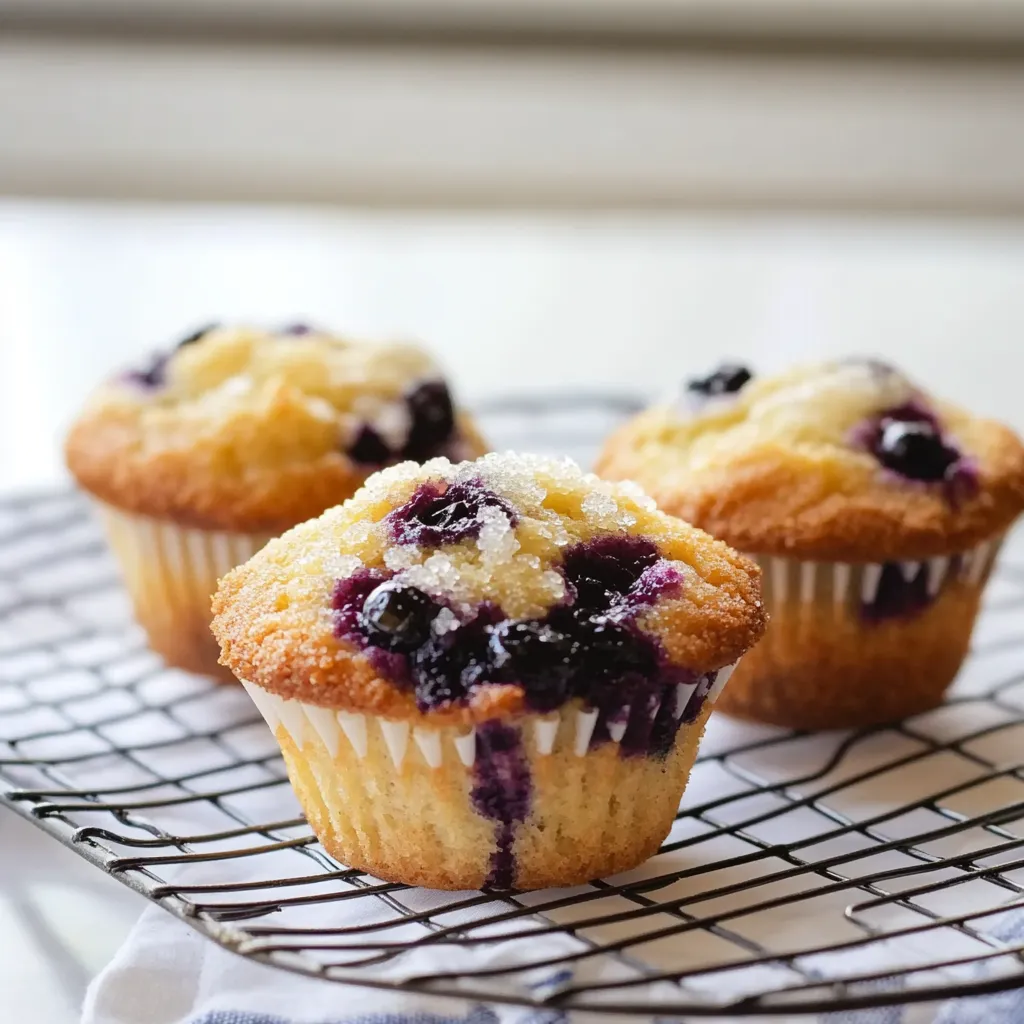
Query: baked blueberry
603	570
397	617
432	418
369	448
349	596
154	375
914	449
446	668
726	380
436	515
610	650
197	335
536	656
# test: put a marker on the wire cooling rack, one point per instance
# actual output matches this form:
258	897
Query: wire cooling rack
804	874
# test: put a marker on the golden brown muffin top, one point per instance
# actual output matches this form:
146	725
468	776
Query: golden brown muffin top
253	431
839	461
484	588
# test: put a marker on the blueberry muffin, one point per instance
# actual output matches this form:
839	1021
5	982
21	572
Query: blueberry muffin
875	510
198	458
493	673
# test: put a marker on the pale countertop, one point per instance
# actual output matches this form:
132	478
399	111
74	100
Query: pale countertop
510	302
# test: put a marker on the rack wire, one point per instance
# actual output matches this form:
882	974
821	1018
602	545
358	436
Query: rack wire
804	873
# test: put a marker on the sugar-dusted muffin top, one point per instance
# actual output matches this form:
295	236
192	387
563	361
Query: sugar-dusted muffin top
845	460
250	430
486	588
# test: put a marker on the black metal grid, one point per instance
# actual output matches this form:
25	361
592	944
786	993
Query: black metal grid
804	874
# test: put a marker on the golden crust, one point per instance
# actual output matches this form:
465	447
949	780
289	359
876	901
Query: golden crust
774	472
247	433
272	614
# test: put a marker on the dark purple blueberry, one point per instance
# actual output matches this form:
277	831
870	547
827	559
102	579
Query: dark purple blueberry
608	650
605	569
502	792
446	668
537	657
589	648
432	417
529	646
914	449
908	440
151	376
397	617
196	335
437	669
391	665
435	516
296	329
726	380
369	448
349	596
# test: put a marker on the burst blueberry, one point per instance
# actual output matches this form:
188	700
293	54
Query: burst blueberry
605	569
536	656
446	668
435	516
611	650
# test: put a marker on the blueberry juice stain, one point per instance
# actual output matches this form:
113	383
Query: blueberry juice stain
896	596
502	792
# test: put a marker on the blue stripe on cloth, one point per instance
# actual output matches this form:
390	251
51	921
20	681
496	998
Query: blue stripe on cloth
479	1015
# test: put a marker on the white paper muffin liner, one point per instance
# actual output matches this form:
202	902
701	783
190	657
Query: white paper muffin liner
848	584
570	728
171	574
